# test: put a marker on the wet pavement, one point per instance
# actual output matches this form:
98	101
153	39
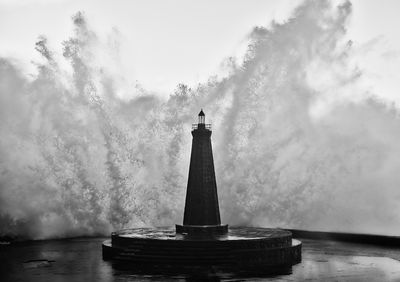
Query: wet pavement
81	260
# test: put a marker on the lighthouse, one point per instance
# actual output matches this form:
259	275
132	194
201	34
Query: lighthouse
201	214
202	240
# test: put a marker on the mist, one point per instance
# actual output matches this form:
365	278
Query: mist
298	141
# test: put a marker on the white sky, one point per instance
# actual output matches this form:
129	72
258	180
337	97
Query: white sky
166	42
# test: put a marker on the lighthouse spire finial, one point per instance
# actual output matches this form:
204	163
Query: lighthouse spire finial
202	117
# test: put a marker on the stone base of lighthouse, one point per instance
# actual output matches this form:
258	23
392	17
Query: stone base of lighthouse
240	249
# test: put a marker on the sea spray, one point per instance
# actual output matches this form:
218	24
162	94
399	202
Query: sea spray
297	140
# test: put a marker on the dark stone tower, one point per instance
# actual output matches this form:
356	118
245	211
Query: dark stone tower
201	208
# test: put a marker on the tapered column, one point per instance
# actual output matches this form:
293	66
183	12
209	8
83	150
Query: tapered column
201	206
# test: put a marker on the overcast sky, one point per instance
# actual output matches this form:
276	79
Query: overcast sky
168	42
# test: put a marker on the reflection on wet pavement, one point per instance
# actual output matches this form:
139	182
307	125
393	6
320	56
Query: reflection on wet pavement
81	260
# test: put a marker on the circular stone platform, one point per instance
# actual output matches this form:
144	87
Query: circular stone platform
271	250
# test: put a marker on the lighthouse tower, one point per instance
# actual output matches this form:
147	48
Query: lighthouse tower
201	208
